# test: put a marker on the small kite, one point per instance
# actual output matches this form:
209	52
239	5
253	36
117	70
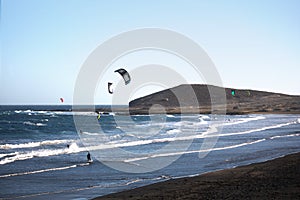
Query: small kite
110	90
61	100
233	93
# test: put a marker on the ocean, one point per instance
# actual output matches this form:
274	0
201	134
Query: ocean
43	151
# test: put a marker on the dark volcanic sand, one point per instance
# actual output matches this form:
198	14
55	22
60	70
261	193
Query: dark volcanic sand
275	179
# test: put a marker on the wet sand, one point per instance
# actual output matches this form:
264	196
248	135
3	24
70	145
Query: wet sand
275	179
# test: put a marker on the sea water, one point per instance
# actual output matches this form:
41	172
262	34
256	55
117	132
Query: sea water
43	155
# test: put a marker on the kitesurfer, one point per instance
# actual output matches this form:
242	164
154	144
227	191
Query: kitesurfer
88	156
98	113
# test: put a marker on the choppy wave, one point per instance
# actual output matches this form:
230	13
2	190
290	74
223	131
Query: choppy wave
8	154
170	116
206	120
34	124
173	131
204	117
257	130
46	112
202	121
73	148
38	171
119	142
34	144
243	120
284	136
194	151
207	134
88	133
206	150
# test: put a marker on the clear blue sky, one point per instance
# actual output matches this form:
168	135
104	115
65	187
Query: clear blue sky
254	44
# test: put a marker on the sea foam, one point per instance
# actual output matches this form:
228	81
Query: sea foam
33	144
42	153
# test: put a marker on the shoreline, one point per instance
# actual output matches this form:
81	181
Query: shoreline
273	179
125	110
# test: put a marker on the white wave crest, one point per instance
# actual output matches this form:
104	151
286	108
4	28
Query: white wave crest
88	133
202	121
244	120
170	116
51	113
283	136
204	117
34	124
33	144
206	134
190	152
173	131
8	154
42	153
38	171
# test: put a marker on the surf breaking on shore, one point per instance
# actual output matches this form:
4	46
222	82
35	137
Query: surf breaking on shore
74	148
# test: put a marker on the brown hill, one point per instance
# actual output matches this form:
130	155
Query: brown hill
243	101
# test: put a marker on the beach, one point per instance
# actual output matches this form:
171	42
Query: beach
274	179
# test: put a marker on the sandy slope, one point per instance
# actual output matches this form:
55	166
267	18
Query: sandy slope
275	179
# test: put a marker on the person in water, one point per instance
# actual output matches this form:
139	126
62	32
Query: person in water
88	156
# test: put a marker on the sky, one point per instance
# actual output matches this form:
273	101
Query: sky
253	44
